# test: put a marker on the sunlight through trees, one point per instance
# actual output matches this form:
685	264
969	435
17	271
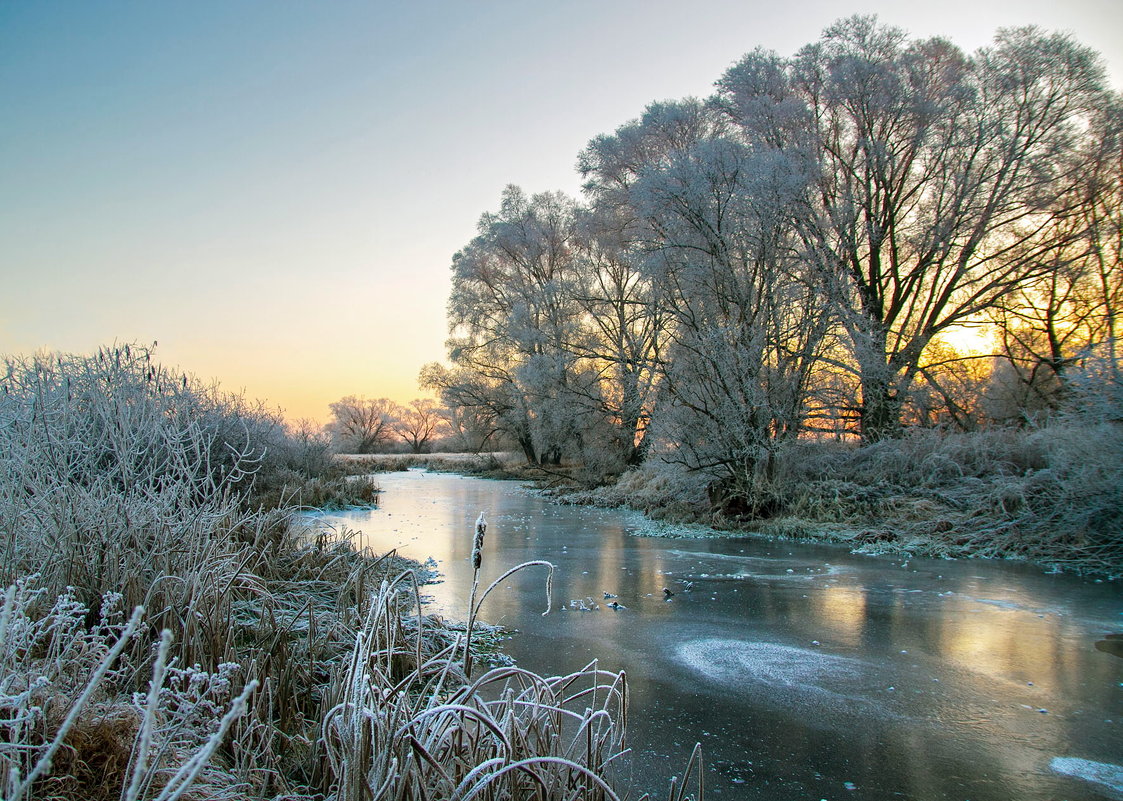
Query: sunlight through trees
796	254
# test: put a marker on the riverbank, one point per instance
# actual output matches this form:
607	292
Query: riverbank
1053	496
496	465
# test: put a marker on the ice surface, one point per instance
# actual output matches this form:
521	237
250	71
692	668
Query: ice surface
739	661
1102	773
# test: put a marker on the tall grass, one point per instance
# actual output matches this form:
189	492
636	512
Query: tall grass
407	723
1051	494
167	635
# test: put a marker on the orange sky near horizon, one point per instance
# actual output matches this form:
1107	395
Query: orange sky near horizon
274	192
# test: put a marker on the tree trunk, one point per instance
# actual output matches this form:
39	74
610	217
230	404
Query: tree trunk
880	408
880	411
527	445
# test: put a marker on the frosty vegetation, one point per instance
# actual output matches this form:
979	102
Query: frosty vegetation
762	289
168	633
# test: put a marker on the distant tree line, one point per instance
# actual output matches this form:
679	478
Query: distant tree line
379	425
376	425
788	256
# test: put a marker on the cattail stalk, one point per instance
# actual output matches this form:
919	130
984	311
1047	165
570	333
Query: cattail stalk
477	561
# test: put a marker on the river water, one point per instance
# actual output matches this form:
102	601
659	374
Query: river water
804	671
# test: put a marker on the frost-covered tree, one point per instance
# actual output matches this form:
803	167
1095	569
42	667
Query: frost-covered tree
472	430
746	329
481	408
1102	211
936	177
512	317
420	422
621	343
361	425
612	163
626	306
1050	324
740	327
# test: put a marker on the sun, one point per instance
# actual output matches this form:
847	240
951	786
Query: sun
969	340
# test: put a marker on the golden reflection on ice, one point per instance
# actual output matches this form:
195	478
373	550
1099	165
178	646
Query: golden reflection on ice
842	610
987	633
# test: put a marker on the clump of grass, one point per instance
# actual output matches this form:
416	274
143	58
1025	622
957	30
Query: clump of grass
334	489
433	733
660	490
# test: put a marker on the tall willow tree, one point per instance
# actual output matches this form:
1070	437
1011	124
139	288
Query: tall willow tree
741	327
553	333
511	314
628	303
937	178
1101	209
747	330
622	336
1072	312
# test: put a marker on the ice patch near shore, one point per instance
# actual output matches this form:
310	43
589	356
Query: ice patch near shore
774	561
1102	773
738	661
729	557
792	569
1015	606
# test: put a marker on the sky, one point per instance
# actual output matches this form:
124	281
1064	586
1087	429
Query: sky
273	191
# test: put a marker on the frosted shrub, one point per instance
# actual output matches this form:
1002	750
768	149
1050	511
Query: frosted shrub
64	724
184	720
1096	389
51	670
114	472
658	488
1077	504
1053	493
192	701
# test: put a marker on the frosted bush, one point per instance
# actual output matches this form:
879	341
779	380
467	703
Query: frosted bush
59	699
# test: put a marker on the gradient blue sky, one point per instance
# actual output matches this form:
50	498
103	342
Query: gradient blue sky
274	190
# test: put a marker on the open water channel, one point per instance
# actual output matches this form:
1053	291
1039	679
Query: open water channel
806	672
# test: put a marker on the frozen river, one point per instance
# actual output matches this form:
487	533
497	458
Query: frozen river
805	672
